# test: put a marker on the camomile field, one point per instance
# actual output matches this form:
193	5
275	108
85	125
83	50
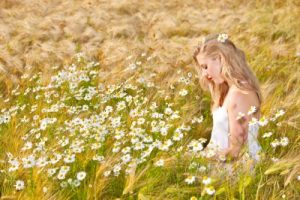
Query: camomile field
101	99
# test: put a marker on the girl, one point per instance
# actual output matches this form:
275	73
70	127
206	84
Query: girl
236	99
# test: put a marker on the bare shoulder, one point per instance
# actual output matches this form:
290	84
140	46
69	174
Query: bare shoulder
242	99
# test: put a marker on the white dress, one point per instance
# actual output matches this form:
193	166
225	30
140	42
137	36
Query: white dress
220	133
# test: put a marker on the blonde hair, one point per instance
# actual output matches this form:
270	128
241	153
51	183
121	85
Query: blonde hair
234	69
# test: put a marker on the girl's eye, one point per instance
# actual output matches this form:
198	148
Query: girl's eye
205	66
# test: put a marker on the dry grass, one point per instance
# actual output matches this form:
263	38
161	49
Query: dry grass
37	35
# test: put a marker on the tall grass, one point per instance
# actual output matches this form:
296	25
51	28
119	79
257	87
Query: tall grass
119	120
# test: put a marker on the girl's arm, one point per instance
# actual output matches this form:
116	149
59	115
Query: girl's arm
238	124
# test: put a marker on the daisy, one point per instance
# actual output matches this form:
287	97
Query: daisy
190	180
284	141
222	37
298	177
159	163
61	176
210	190
107	173
201	168
266	135
19	185
193	198
183	92
45	189
275	143
240	116
263	121
252	110
206	180
274	159
81	175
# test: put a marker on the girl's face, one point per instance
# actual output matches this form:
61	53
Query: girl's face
211	68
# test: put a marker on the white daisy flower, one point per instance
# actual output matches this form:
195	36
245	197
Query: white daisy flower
210	190
279	113
107	173
298	177
45	189
61	176
202	169
266	135
263	121
274	159
252	110
240	116
159	163
275	143
19	185
222	37
190	180
183	92
81	175
284	141
206	180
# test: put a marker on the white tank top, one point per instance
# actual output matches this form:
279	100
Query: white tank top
219	136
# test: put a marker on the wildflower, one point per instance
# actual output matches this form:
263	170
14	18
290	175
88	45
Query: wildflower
69	158
279	113
61	176
121	105
222	37
240	116
126	158
177	136
193	165
19	185
275	143
107	173
284	141
183	92
210	190
159	163
141	121
263	121
195	146
298	177
253	121
45	189
51	171
206	180
201	168
132	66
81	175
193	198
63	184
266	135
190	180
274	159
252	110
168	111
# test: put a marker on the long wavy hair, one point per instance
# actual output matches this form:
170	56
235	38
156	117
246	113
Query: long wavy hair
234	69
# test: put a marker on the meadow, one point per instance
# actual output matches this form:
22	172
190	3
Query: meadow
101	100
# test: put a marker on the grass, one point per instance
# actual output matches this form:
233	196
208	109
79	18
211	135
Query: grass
123	56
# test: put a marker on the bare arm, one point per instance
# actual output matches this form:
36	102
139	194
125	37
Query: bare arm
238	124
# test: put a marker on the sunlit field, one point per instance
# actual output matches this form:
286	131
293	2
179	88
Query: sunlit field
100	99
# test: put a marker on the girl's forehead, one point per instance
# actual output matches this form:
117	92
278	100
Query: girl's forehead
202	58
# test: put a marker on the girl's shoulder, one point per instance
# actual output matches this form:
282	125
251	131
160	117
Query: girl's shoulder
247	98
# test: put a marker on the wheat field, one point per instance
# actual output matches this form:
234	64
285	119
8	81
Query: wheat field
100	99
